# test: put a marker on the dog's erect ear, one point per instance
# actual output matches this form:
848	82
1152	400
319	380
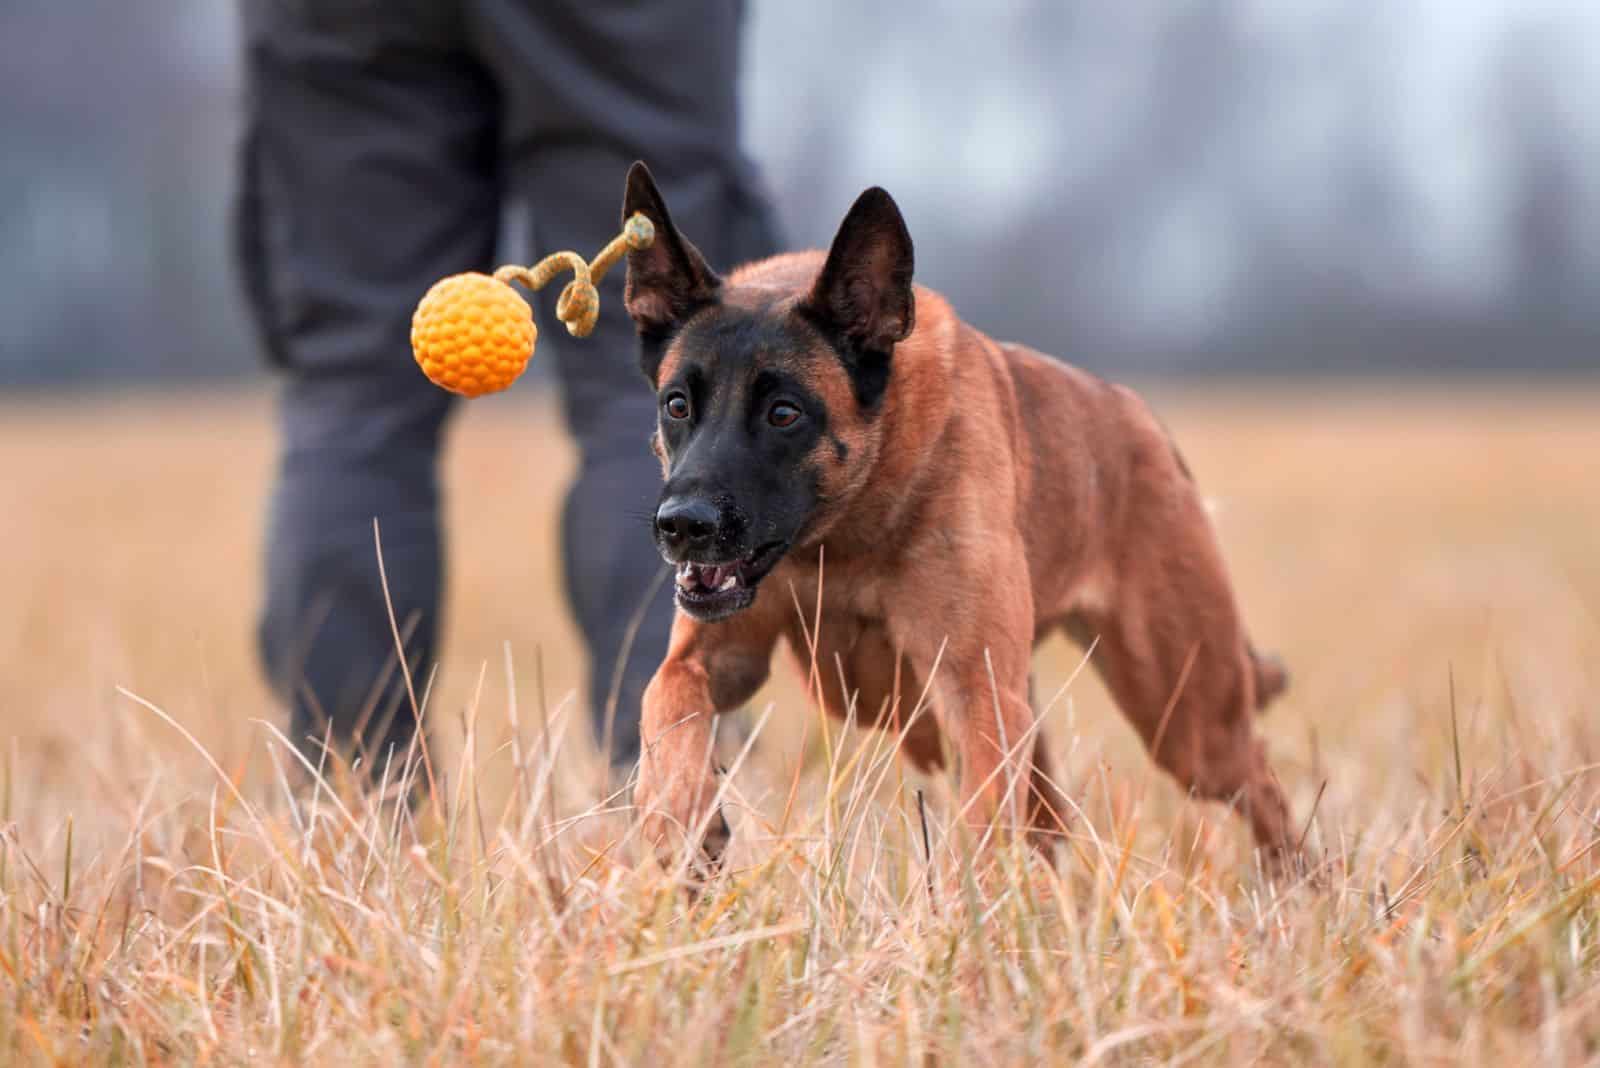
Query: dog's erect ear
864	290
670	279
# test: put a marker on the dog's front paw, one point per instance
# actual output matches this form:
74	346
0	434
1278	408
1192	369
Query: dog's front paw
675	807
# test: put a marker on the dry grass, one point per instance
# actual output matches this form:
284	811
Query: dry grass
154	907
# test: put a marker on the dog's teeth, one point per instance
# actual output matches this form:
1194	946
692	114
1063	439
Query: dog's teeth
717	579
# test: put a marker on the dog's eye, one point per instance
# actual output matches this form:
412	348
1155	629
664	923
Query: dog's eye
678	406
783	414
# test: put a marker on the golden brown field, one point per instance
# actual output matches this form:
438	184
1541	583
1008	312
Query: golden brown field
1428	563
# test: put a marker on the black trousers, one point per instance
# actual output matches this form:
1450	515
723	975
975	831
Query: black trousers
383	138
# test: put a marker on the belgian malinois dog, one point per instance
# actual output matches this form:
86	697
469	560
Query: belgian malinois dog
829	429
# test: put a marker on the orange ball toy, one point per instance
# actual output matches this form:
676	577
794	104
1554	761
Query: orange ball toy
472	334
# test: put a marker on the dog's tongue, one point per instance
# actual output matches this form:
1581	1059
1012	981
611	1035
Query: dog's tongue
709	576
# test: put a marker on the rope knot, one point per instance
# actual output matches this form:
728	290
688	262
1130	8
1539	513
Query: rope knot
579	307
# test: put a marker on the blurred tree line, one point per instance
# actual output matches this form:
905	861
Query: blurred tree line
1209	185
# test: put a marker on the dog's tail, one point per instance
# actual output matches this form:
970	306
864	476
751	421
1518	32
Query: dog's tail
1272	678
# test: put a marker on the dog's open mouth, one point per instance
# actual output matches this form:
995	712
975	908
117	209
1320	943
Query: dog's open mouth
710	592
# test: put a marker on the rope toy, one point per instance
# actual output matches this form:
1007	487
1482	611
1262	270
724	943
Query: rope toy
473	334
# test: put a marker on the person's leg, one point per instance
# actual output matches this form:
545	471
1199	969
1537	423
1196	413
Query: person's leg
368	173
592	85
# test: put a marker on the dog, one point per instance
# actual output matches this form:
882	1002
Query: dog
829	432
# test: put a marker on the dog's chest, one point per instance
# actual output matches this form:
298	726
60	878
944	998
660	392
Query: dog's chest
843	589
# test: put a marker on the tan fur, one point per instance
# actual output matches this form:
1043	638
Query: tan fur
996	496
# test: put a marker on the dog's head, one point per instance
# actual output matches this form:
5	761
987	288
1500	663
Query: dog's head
768	392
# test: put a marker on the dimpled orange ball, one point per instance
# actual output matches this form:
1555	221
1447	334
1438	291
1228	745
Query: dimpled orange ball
472	334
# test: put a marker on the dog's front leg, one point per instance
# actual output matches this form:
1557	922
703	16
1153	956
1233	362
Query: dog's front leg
710	668
992	722
676	784
986	709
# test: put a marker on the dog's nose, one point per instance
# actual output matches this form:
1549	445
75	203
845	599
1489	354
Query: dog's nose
688	524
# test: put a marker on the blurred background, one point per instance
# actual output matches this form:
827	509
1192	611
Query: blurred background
1352	250
1216	185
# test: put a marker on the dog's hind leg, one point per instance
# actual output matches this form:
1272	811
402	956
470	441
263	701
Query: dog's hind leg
1191	696
1175	658
1172	648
